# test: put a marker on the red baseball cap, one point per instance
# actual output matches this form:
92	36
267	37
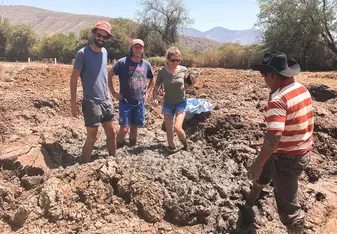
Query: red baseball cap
104	25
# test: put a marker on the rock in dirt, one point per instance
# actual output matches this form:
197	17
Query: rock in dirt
28	160
19	217
108	170
149	198
47	198
9	79
29	182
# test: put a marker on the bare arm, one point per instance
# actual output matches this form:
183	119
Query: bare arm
111	74
116	95
270	143
150	86
193	80
269	146
155	92
73	92
73	84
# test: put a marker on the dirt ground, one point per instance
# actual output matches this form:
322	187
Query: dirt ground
44	187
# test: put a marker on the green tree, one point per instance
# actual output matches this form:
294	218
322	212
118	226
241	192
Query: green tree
124	30
20	41
61	46
85	38
4	34
162	18
154	44
298	27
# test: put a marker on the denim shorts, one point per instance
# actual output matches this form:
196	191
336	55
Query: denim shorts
172	109
95	113
131	114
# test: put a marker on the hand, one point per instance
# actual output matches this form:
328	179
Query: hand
193	79
118	96
254	171
146	95
75	110
155	103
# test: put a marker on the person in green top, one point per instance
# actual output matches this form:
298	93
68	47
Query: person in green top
174	79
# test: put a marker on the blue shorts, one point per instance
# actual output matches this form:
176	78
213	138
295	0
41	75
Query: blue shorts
172	109
131	114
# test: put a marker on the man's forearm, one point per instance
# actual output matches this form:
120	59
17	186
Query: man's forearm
73	89
269	146
155	92
151	85
111	86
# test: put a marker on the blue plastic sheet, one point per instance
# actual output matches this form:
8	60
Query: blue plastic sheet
196	106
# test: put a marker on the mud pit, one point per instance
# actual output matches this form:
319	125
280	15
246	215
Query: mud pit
144	189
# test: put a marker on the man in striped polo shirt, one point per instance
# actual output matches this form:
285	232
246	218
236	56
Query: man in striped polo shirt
288	141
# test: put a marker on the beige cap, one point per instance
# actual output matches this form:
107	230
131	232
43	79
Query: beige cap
137	41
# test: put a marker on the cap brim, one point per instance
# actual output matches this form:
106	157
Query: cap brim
92	30
258	67
137	44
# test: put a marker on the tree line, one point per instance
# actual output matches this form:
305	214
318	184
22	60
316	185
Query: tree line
157	25
18	42
305	30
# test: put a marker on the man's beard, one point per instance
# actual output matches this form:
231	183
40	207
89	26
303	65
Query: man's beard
99	43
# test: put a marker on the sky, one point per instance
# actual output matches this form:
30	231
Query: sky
207	14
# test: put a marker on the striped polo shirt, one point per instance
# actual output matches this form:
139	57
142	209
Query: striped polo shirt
289	110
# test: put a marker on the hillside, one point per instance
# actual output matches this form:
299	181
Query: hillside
198	43
49	22
46	21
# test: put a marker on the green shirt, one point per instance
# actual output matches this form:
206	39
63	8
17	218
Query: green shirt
173	84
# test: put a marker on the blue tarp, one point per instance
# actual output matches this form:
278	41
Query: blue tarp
196	106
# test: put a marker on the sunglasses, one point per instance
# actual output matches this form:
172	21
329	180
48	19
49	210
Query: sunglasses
98	35
175	60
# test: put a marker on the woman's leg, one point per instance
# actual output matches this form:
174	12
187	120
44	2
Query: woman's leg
178	127
168	119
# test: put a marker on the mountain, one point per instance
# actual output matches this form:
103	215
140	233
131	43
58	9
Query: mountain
50	22
243	37
46	21
191	32
198	43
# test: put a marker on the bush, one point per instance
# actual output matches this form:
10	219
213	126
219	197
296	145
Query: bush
61	46
211	58
188	55
21	40
156	61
